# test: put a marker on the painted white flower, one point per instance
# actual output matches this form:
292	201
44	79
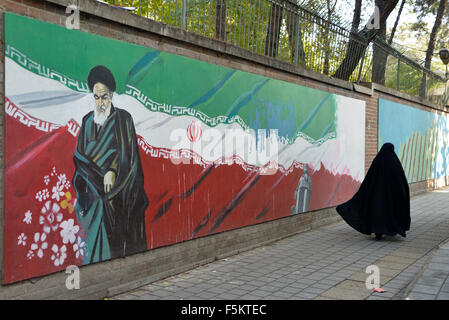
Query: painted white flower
28	217
39	196
57	192
69	231
45	194
53	171
46	180
30	254
79	248
39	244
22	239
62	178
51	217
59	255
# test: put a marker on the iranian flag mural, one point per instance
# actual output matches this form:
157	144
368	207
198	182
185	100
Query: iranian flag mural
113	148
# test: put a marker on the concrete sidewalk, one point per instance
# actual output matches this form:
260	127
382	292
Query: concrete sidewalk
432	283
327	263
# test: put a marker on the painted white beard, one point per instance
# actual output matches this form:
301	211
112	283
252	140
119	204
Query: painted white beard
101	117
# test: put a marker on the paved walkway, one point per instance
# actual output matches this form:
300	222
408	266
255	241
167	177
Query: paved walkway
432	283
327	263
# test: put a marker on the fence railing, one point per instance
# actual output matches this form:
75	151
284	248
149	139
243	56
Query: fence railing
283	30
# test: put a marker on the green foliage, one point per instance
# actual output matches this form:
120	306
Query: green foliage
322	45
247	26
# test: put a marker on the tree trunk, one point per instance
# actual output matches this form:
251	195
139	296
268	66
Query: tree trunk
273	30
356	48
357	44
220	20
390	41
294	34
356	16
380	56
431	46
327	47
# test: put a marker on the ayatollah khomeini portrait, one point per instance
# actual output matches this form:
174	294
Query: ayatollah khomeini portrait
108	179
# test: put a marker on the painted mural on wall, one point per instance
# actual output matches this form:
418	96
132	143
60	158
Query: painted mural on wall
420	138
113	148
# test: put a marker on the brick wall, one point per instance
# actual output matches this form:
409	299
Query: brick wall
111	277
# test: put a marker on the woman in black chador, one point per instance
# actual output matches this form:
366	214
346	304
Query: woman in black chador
382	204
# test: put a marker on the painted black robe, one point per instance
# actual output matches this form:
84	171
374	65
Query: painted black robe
382	203
113	223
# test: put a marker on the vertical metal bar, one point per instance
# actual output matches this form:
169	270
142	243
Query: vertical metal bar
245	20
285	42
178	14
361	67
183	14
162	12
198	18
311	42
446	93
169	17
293	28
225	23
232	35
154	10
227	27
210	14
316	56
274	29
240	23
253	32
204	17
250	24
263	35
190	16
267	33
192	6
276	36
175	18
250	20
231	20
257	26
297	28
207	14
217	19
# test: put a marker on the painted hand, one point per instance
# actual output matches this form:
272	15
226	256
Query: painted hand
109	180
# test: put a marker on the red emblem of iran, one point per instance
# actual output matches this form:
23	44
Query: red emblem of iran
194	131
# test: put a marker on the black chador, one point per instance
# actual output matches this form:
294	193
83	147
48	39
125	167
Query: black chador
382	203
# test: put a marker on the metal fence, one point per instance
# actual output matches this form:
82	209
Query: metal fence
283	30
